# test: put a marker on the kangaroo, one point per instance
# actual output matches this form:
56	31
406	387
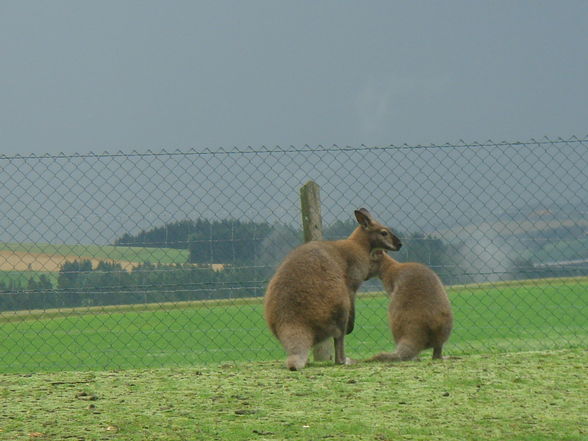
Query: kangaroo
311	296
419	312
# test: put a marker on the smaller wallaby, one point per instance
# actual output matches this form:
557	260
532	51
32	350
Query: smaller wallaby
419	311
311	296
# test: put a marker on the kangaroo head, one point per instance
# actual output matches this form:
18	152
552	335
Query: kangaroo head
378	235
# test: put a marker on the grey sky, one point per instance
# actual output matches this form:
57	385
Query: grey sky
79	76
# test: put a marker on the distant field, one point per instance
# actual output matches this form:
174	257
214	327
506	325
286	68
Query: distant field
20	261
506	228
131	254
512	316
563	250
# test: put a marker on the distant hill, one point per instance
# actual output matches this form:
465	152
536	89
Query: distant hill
509	228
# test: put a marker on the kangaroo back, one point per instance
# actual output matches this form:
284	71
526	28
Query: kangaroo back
311	296
419	312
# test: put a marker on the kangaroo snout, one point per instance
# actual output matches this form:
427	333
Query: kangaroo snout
390	241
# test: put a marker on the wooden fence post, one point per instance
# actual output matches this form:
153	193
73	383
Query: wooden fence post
312	225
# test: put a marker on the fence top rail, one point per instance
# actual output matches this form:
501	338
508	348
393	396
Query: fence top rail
294	149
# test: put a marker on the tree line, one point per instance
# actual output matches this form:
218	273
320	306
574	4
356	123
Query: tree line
81	285
224	241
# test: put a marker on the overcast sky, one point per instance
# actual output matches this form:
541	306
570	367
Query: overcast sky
80	76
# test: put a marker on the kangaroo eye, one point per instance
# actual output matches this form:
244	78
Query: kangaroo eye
384	233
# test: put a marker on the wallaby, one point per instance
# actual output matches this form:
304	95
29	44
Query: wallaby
311	297
419	311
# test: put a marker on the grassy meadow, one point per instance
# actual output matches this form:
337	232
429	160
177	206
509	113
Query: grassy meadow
489	318
525	396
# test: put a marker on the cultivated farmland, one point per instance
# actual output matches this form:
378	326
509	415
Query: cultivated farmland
49	257
19	262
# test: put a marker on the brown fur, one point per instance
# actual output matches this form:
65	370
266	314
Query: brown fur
311	296
419	312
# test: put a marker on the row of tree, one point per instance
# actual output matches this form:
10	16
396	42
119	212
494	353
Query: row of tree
235	242
224	241
78	284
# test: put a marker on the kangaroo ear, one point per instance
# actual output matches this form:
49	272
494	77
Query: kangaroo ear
364	218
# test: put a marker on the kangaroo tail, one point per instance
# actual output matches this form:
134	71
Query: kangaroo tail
403	352
297	341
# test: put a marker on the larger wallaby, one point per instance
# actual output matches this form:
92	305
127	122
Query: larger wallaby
419	311
311	297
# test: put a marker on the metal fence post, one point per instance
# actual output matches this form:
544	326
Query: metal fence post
312	225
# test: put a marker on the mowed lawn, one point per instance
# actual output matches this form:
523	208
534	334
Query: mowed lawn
489	318
524	396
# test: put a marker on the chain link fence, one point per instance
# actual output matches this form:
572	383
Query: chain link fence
121	260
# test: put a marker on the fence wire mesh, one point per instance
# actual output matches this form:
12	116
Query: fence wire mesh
161	258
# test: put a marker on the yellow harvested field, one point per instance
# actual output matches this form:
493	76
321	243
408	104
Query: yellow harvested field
23	261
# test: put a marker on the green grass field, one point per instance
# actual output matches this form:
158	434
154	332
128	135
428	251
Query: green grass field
490	318
525	396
